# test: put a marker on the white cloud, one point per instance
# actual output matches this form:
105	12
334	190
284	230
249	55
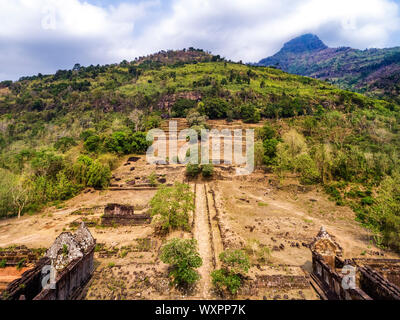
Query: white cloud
78	31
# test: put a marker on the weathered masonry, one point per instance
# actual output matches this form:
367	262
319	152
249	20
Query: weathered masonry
117	214
335	278
71	260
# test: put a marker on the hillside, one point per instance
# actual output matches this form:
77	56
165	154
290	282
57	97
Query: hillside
375	72
63	133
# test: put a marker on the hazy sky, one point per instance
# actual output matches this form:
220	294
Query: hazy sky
47	35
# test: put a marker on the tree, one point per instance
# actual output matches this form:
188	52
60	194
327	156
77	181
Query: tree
194	118
181	106
292	146
64	144
184	257
171	206
250	114
20	193
258	154
215	108
92	143
323	159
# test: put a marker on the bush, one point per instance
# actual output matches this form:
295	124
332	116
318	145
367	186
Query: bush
139	143
92	143
98	175
193	170
215	108
184	257
118	142
207	170
194	118
235	264
64	144
235	261
181	106
224	280
250	114
171	206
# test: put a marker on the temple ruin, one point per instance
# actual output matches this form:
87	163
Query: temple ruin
61	274
117	214
335	278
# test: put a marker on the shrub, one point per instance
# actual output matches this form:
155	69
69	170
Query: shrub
235	264
139	143
184	257
118	142
86	134
207	170
367	201
64	144
235	261
215	108
92	143
98	175
250	114
171	207
180	107
153	179
224	280
193	170
194	118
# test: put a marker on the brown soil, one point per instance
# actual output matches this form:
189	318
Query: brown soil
231	212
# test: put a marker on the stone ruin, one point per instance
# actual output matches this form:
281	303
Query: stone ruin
71	259
335	278
117	214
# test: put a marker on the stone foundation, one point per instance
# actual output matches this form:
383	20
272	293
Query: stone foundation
117	214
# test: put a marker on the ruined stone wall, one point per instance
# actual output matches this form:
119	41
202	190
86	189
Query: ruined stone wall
71	256
331	281
376	286
71	280
117	214
15	255
374	279
29	285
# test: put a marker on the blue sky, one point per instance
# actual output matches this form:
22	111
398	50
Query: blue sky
47	35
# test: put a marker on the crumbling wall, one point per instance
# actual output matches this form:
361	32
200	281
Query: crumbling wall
376	285
13	256
117	214
29	285
71	256
373	279
331	282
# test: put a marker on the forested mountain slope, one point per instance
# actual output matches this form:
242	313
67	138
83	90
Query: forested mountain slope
61	133
375	72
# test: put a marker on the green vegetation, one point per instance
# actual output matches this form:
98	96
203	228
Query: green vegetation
193	170
171	206
373	72
235	265
61	133
183	256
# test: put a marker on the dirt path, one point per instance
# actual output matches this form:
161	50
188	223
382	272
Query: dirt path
202	234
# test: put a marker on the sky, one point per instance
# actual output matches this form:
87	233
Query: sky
43	36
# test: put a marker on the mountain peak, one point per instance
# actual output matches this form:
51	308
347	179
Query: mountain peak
304	43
